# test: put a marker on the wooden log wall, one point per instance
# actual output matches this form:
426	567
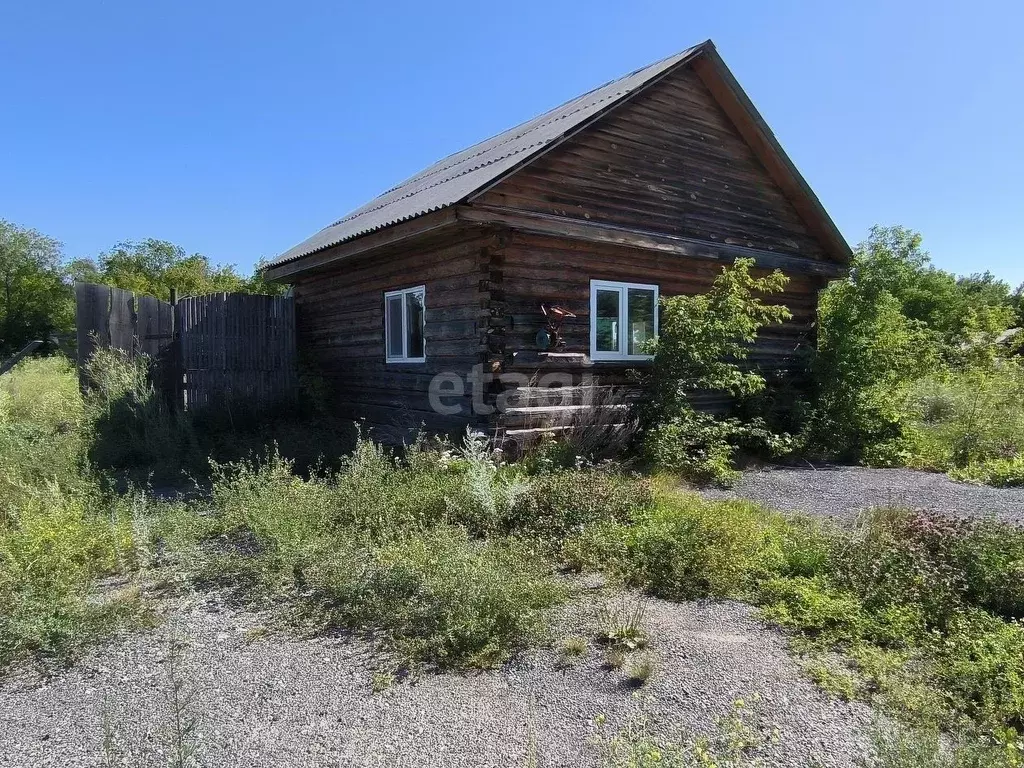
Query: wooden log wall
340	320
552	270
668	161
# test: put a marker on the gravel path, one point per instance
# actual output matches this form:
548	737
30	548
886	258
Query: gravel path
269	699
842	492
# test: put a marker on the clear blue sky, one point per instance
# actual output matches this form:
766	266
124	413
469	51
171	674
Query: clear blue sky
238	129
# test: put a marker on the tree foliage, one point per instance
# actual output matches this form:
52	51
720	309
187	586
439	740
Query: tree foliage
34	299
154	267
895	318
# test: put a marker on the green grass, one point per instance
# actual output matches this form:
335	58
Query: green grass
924	610
60	530
450	556
969	423
735	743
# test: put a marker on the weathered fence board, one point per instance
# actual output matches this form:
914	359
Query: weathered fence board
216	347
237	346
155	324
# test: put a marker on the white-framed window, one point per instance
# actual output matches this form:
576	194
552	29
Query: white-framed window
405	319
623	318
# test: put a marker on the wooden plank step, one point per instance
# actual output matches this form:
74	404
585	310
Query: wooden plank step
541	415
529	435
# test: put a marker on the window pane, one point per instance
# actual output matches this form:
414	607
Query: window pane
414	318
607	320
640	305
393	324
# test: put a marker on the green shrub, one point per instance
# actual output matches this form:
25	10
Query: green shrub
132	427
899	747
59	532
979	664
702	448
54	544
41	420
696	446
970	422
904	558
1001	473
702	343
991	557
686	547
369	548
812	606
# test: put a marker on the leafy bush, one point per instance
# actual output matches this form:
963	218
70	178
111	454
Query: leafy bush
41	418
907	370
978	663
813	606
899	747
702	448
562	504
54	544
372	547
686	547
59	531
903	558
702	342
917	600
991	557
969	421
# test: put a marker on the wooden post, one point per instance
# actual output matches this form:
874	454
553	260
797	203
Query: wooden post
176	364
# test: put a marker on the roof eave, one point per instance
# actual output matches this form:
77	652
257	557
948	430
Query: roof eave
394	234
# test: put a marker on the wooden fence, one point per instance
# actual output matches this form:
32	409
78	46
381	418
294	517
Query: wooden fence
112	317
238	345
209	348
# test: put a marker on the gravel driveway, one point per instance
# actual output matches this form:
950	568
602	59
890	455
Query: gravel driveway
842	492
268	699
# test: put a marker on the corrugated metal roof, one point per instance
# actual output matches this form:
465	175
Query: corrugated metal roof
458	176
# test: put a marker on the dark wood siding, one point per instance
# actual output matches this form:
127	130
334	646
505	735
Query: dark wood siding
340	321
668	161
552	270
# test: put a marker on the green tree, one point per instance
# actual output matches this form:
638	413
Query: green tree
155	267
894	318
35	298
1017	303
956	312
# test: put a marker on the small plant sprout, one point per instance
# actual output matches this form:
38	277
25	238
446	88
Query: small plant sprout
183	736
622	623
382	679
614	658
642	670
574	647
